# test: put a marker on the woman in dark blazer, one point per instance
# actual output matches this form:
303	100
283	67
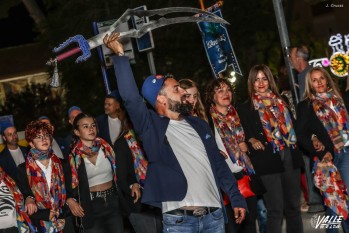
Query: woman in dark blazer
323	123
230	137
96	196
268	126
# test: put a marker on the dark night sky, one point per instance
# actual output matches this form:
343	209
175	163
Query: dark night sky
17	28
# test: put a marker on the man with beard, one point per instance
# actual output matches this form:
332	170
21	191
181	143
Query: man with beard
185	169
13	154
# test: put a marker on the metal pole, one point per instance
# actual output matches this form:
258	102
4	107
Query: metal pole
151	62
202	5
285	42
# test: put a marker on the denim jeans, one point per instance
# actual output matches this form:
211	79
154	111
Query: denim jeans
341	161
261	215
212	222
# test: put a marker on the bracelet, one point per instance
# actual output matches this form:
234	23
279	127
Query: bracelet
33	198
139	186
71	198
121	54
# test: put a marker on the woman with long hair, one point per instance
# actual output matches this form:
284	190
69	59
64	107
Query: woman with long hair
42	182
269	129
323	123
192	97
230	138
93	180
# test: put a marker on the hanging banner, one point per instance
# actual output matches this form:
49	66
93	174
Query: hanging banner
218	47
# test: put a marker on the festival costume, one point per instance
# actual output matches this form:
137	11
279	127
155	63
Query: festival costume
231	132
33	183
165	179
109	206
278	165
330	125
276	120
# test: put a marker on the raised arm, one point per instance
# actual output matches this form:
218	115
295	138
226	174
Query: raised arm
127	87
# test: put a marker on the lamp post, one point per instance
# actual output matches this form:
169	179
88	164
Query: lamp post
285	42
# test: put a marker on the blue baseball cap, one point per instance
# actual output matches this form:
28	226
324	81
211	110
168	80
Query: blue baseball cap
4	125
72	108
151	87
43	118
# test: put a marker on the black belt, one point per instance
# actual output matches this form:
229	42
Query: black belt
103	194
199	212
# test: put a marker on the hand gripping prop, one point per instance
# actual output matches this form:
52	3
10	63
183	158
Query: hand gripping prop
86	45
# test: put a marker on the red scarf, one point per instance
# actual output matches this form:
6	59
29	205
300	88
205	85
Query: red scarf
336	122
231	132
276	120
80	151
23	221
53	199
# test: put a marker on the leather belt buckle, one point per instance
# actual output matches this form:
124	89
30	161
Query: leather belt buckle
200	212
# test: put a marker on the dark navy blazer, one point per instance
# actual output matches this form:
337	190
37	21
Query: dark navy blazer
165	178
7	162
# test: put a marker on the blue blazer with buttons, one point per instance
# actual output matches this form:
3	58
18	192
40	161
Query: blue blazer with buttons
7	162
165	179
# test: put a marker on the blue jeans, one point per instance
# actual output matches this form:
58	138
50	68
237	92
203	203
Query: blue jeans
341	161
212	222
261	215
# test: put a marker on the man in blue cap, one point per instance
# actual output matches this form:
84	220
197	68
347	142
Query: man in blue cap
186	171
13	154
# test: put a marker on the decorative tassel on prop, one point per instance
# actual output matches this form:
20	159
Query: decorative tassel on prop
55	76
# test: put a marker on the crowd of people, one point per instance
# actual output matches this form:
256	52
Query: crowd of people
186	162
